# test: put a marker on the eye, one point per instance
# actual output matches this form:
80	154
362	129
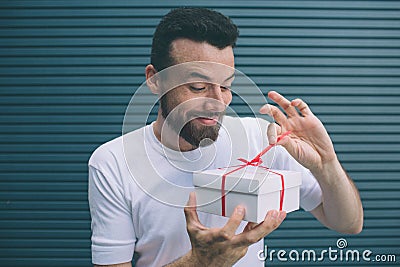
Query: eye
195	88
225	87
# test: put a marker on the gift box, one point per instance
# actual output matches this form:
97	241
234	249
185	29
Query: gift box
257	188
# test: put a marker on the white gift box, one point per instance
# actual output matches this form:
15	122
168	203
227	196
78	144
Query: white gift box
258	189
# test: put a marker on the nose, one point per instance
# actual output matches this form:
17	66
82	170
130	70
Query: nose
215	99
215	92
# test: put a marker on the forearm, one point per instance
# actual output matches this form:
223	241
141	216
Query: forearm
341	208
185	260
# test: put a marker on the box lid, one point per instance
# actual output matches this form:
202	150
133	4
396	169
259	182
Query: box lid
249	180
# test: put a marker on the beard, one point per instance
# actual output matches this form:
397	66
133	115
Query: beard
195	134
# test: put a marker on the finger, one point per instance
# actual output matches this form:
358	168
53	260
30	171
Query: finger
276	114
191	216
228	231
283	103
301	106
273	131
272	220
283	139
265	109
250	226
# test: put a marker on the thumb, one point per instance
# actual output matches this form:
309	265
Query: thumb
192	200
190	209
288	143
291	146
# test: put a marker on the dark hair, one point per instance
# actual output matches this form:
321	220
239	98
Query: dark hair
196	24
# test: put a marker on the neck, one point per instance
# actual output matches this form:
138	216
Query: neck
169	137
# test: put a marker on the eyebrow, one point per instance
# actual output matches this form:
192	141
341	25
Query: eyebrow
205	77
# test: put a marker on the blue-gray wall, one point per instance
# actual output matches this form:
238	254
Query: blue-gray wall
69	68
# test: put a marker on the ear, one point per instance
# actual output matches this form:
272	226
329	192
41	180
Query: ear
152	79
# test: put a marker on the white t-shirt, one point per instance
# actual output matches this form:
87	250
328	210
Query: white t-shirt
138	187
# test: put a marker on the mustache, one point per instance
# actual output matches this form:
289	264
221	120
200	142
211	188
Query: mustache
205	114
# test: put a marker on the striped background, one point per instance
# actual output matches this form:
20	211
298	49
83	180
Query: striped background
69	68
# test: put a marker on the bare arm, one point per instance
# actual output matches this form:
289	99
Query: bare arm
340	199
311	146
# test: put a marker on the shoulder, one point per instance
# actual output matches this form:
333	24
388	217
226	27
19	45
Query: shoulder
105	153
111	153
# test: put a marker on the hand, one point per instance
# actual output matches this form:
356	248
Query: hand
220	246
309	142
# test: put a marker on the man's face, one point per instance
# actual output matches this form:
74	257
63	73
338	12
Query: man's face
194	110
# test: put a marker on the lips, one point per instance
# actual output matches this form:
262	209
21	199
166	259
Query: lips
208	121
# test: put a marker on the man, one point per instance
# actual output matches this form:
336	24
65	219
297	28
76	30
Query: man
130	220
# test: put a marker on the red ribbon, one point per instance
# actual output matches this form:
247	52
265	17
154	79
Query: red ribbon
256	161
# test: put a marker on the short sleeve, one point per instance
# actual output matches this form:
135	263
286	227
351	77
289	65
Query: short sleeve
113	236
310	191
